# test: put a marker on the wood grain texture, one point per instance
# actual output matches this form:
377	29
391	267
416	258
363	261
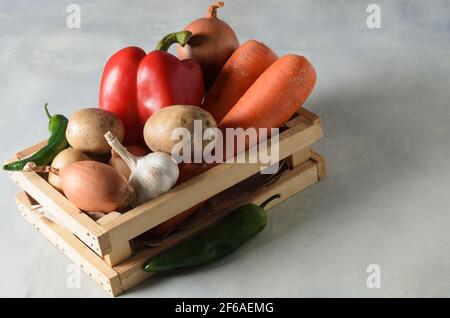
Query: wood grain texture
129	273
30	150
72	247
321	166
64	211
114	268
287	184
313	118
120	252
200	188
299	157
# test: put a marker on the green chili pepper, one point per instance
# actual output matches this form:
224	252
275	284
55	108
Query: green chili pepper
56	143
216	242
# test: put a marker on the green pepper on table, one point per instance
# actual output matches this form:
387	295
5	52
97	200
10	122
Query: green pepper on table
216	242
56	143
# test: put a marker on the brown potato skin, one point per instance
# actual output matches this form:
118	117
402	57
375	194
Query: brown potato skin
159	126
87	127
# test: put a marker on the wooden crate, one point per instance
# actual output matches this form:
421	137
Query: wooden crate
106	249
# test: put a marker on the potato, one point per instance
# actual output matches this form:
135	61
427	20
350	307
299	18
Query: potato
63	159
87	127
158	128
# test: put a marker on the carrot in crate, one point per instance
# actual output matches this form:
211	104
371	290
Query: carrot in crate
241	70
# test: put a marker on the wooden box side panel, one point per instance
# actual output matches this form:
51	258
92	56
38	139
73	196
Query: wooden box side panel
129	273
67	214
111	240
289	183
71	246
199	189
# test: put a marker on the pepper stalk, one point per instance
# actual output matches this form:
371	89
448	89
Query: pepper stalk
181	37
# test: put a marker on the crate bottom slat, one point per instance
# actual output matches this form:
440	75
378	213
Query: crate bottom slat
129	273
71	246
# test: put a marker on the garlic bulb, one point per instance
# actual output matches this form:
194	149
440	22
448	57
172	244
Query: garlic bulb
151	175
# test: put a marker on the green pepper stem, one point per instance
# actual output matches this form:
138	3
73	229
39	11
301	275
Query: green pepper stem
46	111
263	205
181	38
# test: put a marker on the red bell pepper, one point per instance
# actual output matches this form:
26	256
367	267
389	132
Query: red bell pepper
134	84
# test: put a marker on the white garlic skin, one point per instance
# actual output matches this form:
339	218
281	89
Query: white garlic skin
151	175
155	174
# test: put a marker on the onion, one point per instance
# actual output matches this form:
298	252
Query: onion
63	159
212	43
95	187
119	164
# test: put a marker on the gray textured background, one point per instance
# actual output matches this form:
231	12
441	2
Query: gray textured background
384	99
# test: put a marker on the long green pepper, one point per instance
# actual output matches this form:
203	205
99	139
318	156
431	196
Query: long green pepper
56	143
216	242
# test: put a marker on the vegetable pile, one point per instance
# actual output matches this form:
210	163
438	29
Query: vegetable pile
118	155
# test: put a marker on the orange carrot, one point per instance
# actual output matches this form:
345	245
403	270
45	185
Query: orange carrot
241	70
275	96
269	103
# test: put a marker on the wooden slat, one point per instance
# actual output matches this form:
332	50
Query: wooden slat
320	160
110	235
108	217
299	122
299	157
120	252
129	273
313	118
289	183
30	150
67	214
200	188
72	247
